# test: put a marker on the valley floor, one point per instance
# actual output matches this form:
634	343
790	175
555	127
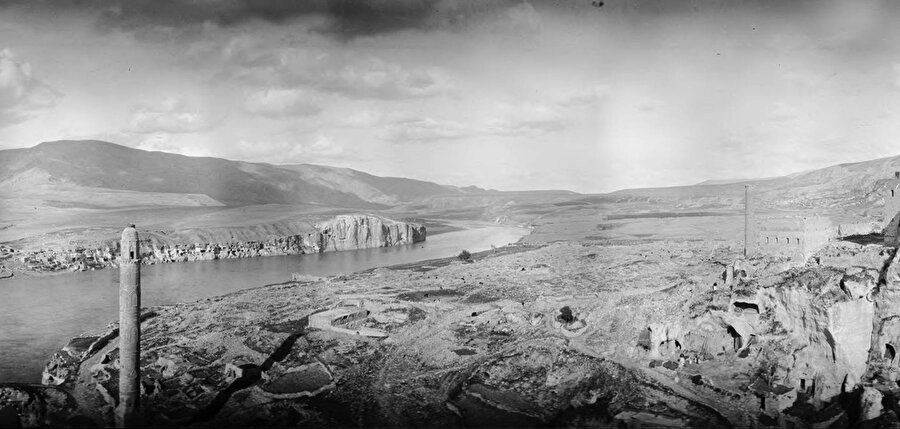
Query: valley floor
469	344
586	323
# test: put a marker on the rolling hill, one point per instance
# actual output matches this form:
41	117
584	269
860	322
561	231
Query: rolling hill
382	190
841	189
93	165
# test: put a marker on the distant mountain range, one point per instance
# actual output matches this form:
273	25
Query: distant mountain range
103	165
851	187
102	171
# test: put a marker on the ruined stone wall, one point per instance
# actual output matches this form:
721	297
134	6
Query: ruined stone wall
859	228
785	243
817	232
797	238
891	219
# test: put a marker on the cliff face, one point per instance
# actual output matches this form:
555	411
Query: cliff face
350	232
814	331
827	325
345	232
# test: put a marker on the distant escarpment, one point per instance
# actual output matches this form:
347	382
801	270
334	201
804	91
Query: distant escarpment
350	232
345	232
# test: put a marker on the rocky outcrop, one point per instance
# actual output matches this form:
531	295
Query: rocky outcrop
364	231
345	232
827	328
6	253
815	330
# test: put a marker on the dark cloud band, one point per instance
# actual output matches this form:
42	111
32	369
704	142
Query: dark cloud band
344	19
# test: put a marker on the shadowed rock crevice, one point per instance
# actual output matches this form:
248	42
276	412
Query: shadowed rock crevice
250	375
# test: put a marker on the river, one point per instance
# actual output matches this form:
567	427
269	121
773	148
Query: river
39	315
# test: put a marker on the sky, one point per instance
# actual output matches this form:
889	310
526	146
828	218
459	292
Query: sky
510	95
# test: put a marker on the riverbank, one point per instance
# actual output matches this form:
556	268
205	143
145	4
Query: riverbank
38	314
344	232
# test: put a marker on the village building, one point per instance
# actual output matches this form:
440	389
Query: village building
797	237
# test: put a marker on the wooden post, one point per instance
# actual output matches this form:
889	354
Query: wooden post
129	329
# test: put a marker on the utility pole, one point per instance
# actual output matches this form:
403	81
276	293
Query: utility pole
129	329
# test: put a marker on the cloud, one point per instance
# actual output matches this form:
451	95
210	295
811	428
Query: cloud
161	141
20	92
172	115
526	127
316	147
424	129
783	113
897	75
506	120
588	97
346	74
375	78
341	19
362	118
520	20
321	147
174	13
281	103
526	119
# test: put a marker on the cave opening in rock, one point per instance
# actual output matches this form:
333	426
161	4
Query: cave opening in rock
745	307
802	384
736	338
643	339
889	352
762	403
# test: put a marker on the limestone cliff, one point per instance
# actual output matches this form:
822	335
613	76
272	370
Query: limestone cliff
349	232
345	232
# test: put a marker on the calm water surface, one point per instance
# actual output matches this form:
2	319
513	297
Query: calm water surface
40	315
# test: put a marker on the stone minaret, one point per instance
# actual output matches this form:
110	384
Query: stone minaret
129	329
748	220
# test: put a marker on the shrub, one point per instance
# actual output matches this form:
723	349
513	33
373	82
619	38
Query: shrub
464	256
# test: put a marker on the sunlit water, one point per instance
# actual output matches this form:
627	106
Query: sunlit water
39	315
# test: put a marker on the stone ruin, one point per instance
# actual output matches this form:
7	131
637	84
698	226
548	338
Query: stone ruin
347	320
891	221
794	237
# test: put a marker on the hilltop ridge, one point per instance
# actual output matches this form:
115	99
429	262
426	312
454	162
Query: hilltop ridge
102	165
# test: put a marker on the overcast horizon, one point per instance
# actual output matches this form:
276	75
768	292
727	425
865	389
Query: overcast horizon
505	95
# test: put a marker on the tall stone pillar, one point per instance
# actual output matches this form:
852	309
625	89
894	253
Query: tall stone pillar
129	329
748	221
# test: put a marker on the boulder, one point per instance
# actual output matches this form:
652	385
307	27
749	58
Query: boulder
870	404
